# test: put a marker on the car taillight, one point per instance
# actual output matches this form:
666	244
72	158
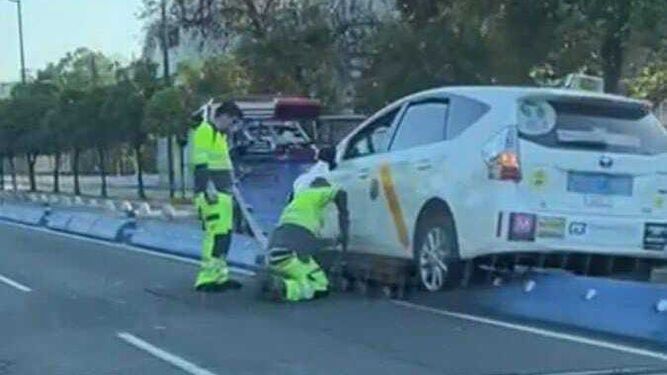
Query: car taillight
501	155
508	166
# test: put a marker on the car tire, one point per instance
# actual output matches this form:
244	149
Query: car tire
437	261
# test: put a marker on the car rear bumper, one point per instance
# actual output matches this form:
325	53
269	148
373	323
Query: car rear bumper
552	232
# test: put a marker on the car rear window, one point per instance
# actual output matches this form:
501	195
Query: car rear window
601	125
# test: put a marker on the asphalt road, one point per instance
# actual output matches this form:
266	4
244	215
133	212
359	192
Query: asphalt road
69	306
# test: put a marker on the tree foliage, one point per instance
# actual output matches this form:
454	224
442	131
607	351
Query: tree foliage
651	83
222	76
369	51
166	113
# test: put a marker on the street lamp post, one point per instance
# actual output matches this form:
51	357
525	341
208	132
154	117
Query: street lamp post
20	20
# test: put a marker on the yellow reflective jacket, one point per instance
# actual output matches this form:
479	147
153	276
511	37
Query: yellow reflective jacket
210	149
307	208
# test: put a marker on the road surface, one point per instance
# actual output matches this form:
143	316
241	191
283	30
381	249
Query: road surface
71	306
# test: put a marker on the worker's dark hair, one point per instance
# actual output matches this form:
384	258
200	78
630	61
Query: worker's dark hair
320	182
228	108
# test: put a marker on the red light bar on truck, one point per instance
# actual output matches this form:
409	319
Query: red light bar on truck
293	109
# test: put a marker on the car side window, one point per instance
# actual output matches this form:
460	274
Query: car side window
423	123
463	112
373	138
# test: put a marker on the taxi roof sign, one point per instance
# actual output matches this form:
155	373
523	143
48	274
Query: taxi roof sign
579	81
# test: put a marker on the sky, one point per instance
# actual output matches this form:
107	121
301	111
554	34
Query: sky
53	27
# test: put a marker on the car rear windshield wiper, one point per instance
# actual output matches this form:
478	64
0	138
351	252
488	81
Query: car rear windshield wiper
585	143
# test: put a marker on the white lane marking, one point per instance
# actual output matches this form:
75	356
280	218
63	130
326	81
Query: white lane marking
536	331
155	253
172	359
14	284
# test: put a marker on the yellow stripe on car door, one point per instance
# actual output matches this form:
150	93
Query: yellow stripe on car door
394	206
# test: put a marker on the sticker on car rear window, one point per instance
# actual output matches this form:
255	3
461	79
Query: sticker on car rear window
536	117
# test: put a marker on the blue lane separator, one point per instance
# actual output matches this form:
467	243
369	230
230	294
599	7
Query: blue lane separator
614	307
58	220
90	224
23	213
185	239
176	238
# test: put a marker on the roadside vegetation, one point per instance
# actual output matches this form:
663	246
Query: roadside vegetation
357	56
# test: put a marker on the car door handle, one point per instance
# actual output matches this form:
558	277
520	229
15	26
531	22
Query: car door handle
363	174
423	165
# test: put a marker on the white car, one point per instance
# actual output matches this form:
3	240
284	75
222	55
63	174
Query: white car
456	173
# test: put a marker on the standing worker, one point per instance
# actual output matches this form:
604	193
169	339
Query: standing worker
294	274
213	175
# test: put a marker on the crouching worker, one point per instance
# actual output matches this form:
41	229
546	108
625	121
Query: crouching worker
293	273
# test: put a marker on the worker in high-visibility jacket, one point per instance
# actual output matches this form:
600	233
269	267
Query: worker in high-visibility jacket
213	175
294	274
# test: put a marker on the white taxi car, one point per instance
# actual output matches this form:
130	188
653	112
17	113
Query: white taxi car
456	173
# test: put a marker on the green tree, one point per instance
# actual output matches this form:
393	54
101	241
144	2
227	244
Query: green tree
142	83
616	35
28	106
81	76
5	142
166	115
286	47
81	69
74	111
214	77
298	56
54	125
445	43
651	83
124	107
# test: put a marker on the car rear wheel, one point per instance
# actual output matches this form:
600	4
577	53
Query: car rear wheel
437	257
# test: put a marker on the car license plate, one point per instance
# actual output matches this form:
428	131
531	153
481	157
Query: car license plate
599	183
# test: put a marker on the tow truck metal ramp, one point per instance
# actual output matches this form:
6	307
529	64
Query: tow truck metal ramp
266	187
265	183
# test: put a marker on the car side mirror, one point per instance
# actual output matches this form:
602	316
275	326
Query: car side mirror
327	154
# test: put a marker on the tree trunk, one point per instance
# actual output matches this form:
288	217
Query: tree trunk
612	49
12	166
170	165
181	161
612	61
103	173
31	159
2	173
56	172
75	171
140	172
